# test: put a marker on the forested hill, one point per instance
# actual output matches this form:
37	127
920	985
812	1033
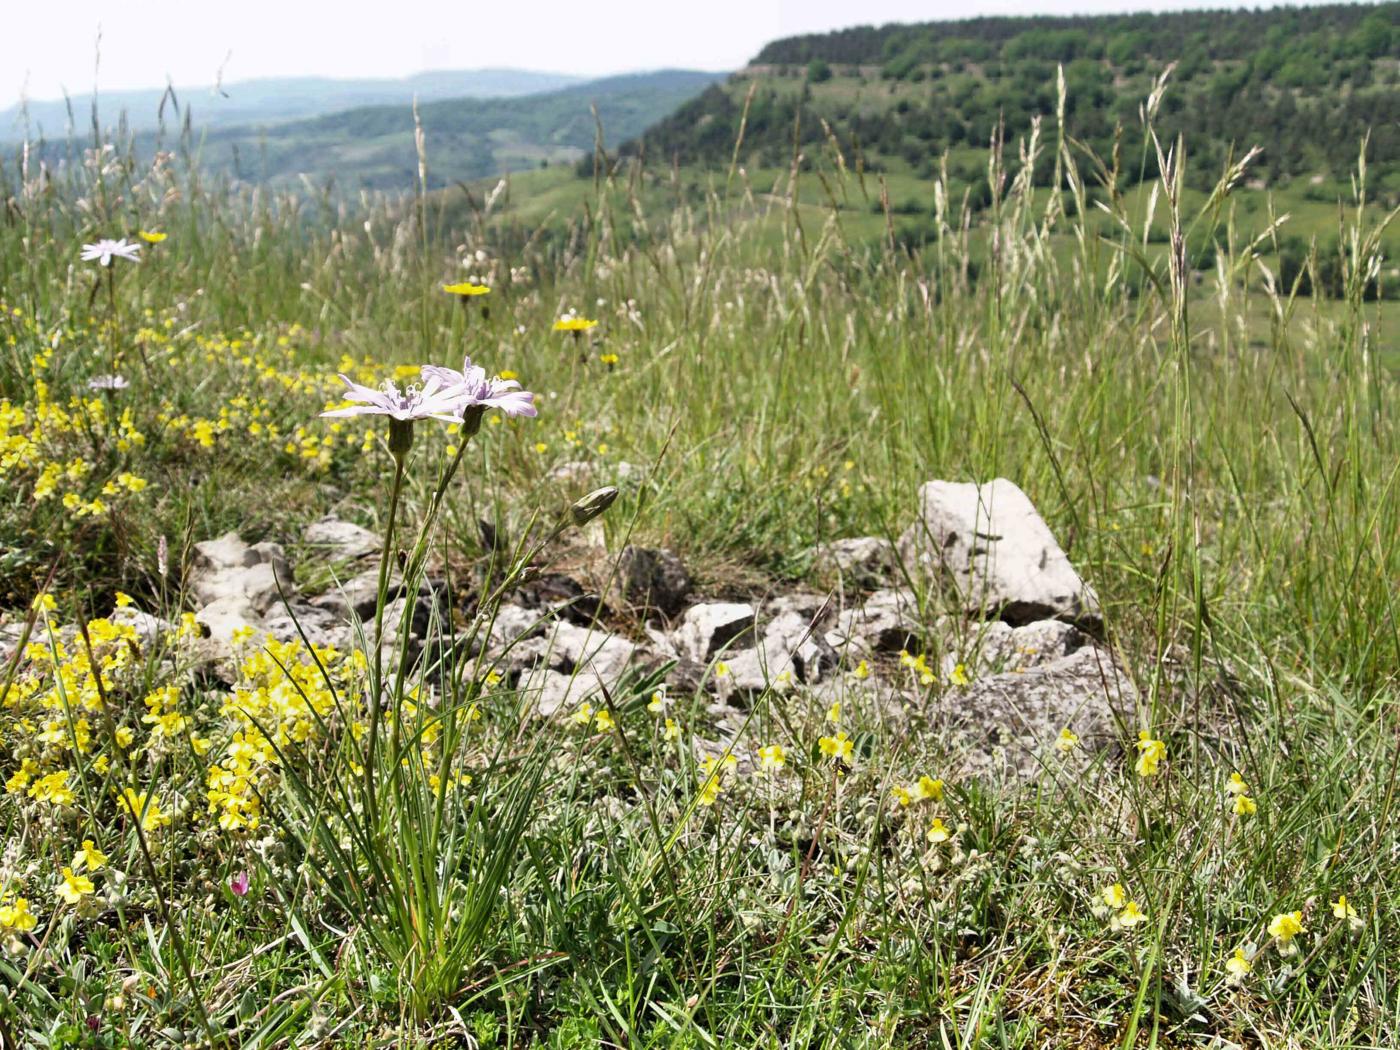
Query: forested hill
1306	84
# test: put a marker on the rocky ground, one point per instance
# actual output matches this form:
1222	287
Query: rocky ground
974	619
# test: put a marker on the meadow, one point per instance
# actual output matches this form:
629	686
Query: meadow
351	848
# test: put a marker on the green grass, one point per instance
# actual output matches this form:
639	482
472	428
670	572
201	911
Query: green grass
1220	463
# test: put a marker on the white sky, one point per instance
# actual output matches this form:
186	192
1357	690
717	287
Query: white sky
48	45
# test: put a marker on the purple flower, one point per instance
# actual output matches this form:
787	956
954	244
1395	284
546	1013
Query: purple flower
429	401
472	389
239	884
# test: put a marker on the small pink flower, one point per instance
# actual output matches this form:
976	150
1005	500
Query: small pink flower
239	884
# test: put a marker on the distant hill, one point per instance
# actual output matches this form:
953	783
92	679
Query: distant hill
272	100
466	138
1304	83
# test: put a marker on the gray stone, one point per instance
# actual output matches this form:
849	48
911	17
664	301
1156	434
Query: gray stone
754	670
996	554
151	631
323	628
1005	726
797	638
341	539
359	594
227	552
888	621
992	646
223	618
652	580
553	693
227	568
708	628
573	647
423	616
860	560
513	623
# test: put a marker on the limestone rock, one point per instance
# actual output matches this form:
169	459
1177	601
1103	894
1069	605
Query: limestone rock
1006	725
227	568
887	622
359	594
323	628
151	630
709	627
860	560
652	579
341	539
993	646
997	554
223	618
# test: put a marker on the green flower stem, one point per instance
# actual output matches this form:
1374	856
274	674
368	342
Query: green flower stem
376	682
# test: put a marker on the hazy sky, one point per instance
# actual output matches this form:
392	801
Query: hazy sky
47	46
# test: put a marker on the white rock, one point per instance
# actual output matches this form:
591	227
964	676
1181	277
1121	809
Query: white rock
861	559
341	539
997	554
707	628
888	621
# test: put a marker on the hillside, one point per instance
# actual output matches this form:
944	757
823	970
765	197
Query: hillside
269	100
372	147
1306	84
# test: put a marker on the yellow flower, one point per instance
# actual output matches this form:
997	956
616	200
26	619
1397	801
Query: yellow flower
1342	909
584	715
771	758
608	359
73	888
838	747
1067	741
862	671
938	832
603	721
709	790
1237	786
959	675
16	916
927	787
506	373
145	806
657	704
151	236
124	736
1238	966
833	713
1115	896
53	788
721	669
673	731
1129	917
1150	754
1284	927
574	324
902	795
465	288
1245	806
541	447
89	857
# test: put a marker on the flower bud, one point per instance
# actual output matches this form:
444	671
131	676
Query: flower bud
400	437
588	508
